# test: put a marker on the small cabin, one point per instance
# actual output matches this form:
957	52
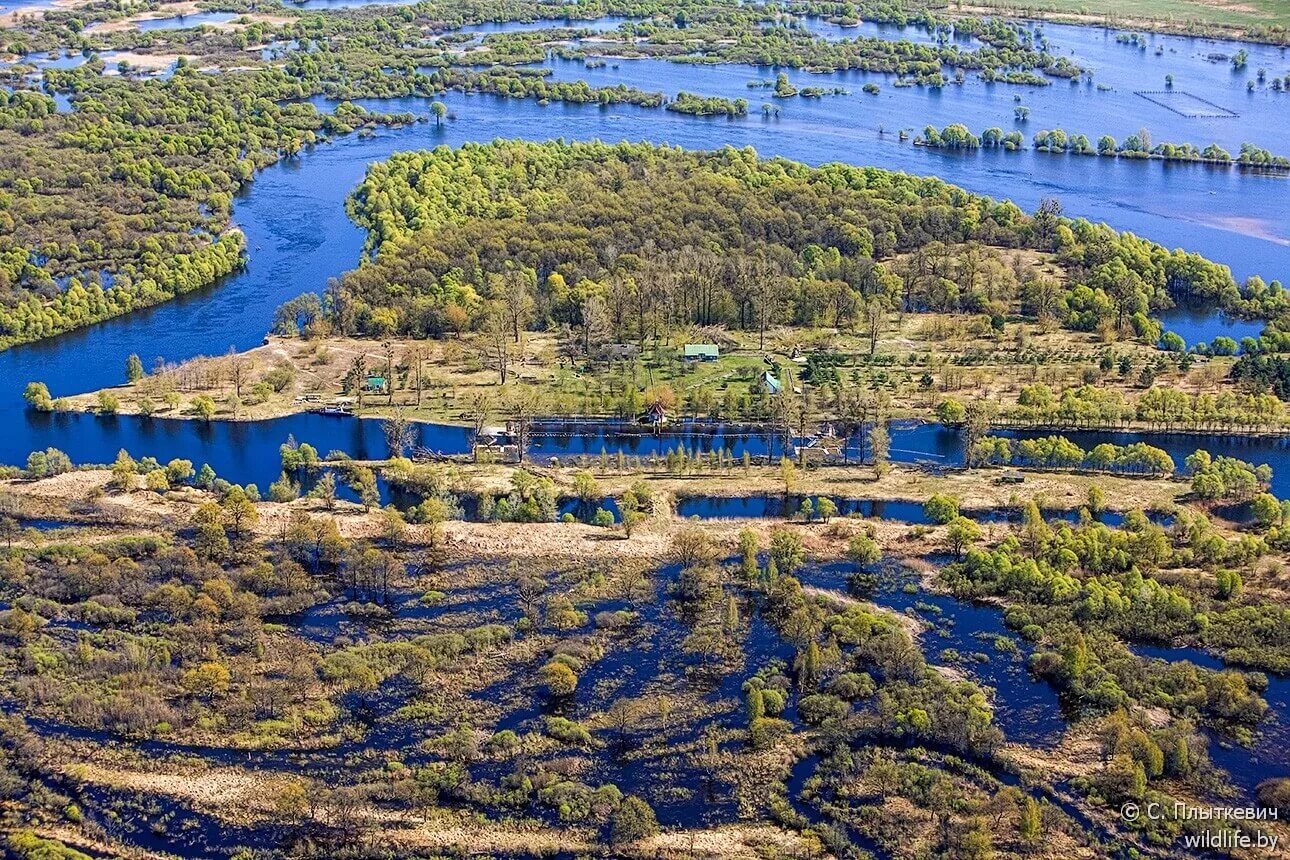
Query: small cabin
701	352
619	352
656	415
375	385
809	451
771	383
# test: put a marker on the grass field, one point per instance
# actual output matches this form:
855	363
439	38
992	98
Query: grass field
1240	16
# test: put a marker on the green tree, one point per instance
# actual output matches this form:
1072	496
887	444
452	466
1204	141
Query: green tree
632	821
133	369
880	449
786	551
203	407
950	411
1266	510
37	397
960	533
863	550
748	546
940	509
125	472
178	471
1096	499
1030	827
369	492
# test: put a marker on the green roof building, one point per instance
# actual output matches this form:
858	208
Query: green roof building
701	352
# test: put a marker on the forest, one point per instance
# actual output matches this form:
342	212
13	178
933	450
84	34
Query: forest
621	242
126	201
84	238
389	681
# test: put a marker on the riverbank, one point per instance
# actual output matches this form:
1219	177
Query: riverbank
916	362
1260	23
612	604
976	489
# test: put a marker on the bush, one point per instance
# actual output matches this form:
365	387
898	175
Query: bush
632	820
767	732
558	678
37	397
109	403
950	411
47	463
773	701
853	685
817	708
29	846
568	731
505	743
941	509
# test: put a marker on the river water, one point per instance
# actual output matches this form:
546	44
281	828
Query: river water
298	237
298	234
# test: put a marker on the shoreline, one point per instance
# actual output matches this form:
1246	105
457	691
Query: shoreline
1164	27
977	491
749	426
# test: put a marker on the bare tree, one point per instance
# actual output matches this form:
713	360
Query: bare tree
400	432
358	373
479	406
497	345
239	369
516	293
596	328
768	291
875	314
415	358
389	371
520	411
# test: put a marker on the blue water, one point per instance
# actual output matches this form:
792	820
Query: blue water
298	236
1025	709
1074	107
941	445
585	510
66	60
1201	325
1267	759
239	451
764	506
183	22
572	442
1031	711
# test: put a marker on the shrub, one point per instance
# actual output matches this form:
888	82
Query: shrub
632	820
558	678
815	709
568	731
941	509
767	732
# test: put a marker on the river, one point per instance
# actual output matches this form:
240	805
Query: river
298	234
